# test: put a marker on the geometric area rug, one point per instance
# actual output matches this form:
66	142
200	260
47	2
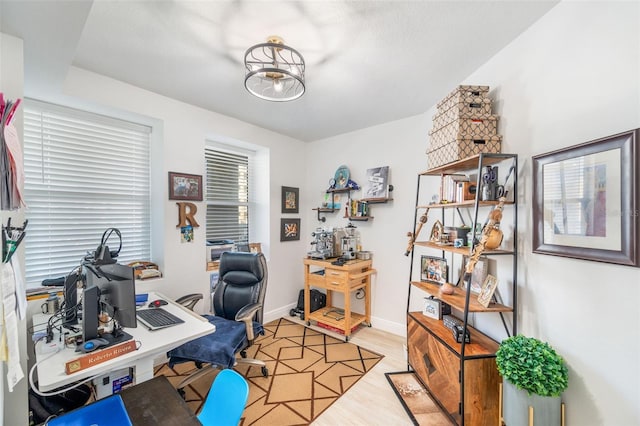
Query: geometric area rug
308	371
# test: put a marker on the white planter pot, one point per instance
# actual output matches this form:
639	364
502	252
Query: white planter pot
516	403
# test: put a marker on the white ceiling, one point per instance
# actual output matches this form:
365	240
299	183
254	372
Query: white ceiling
368	62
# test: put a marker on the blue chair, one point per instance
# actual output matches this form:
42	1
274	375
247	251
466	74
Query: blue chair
226	400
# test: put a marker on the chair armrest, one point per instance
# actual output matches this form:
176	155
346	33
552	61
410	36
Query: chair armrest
245	314
189	301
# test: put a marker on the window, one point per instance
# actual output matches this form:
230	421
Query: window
227	194
84	173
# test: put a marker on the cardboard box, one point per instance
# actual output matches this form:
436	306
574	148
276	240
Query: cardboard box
462	148
463	128
461	93
469	108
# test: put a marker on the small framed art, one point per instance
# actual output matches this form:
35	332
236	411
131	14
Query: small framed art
183	186
433	269
290	199
289	229
478	275
488	288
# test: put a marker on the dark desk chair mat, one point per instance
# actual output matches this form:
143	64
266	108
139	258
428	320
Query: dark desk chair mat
156	402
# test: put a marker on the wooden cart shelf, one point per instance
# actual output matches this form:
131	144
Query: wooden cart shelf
351	276
325	316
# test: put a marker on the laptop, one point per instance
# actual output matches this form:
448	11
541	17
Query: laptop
157	318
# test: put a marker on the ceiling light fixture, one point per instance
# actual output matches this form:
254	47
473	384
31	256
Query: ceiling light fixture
274	71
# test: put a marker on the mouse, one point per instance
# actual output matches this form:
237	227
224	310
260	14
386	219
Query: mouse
93	344
158	303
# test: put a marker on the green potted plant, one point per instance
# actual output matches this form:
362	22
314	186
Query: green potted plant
533	375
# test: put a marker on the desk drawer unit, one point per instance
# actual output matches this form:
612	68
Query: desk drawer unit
317	279
336	279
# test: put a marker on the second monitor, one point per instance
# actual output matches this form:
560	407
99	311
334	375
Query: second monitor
110	289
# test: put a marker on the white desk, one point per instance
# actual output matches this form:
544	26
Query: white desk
51	373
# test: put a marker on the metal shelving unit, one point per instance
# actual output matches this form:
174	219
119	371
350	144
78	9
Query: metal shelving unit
481	348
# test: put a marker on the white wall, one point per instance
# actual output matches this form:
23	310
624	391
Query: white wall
11	85
399	145
180	147
574	76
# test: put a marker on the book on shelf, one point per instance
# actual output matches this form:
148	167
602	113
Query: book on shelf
449	187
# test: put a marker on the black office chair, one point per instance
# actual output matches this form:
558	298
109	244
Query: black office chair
237	302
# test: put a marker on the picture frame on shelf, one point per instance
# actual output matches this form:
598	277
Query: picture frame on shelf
290	199
289	229
183	186
437	231
585	200
433	269
488	288
478	275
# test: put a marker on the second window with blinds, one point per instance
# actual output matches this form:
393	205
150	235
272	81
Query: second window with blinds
228	177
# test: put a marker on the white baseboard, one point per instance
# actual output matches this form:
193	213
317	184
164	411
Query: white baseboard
379	323
389	326
278	313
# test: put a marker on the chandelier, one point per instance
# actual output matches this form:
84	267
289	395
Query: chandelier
274	71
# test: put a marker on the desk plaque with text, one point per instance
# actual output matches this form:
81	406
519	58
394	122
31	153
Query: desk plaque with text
99	356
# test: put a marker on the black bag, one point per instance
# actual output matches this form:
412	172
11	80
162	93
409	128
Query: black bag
43	407
317	300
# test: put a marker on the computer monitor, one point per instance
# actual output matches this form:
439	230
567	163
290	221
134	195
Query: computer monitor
90	312
114	293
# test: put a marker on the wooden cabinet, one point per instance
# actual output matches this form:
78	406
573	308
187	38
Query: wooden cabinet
435	357
462	377
353	275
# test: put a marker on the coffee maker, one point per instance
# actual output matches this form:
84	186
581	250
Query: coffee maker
324	244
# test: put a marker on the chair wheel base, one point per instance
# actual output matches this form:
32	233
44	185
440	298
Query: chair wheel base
265	371
182	393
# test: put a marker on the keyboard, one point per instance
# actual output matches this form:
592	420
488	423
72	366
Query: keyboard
157	318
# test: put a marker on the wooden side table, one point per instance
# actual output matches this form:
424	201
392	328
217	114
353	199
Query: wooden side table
353	275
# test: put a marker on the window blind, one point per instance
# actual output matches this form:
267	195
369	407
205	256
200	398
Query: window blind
84	173
227	195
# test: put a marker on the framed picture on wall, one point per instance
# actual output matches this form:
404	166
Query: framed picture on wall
183	186
289	229
290	199
585	200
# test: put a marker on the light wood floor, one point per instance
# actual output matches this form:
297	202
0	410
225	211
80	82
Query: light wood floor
372	401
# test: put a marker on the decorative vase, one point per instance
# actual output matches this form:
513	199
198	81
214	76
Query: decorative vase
447	288
516	403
